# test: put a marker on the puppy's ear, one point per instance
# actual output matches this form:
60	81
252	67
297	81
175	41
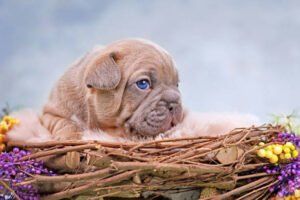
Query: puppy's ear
104	74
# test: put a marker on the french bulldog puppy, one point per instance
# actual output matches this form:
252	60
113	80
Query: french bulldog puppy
126	89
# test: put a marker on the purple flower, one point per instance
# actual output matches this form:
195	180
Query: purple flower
13	171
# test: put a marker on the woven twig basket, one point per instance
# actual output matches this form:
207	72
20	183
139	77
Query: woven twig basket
90	170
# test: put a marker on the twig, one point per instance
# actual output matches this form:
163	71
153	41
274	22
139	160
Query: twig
245	188
74	177
166	168
90	186
61	151
9	189
259	189
252	176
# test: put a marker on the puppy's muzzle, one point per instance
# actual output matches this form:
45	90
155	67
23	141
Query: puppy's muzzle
172	102
158	116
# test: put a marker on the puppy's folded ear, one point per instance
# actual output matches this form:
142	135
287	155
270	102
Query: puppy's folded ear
104	73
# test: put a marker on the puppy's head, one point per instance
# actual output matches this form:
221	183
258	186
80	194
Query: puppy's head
133	86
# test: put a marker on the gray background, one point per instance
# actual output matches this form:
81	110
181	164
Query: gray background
232	56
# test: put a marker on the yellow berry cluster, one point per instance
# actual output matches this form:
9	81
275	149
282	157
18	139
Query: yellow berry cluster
296	196
278	152
5	125
291	197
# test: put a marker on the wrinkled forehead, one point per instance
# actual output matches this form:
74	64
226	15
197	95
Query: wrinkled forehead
140	56
159	68
158	65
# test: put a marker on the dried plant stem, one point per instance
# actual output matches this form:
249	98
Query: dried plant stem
130	157
166	168
90	186
245	188
46	144
69	143
257	190
251	176
74	177
60	151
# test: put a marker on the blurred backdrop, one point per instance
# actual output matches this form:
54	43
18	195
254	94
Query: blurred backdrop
233	56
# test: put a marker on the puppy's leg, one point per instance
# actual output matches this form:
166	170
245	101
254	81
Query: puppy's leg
61	128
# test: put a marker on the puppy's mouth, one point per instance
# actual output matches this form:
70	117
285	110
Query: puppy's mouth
158	120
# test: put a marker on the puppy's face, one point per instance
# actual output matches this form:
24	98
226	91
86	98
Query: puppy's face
133	86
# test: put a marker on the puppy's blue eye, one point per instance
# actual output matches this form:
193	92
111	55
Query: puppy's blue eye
143	84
